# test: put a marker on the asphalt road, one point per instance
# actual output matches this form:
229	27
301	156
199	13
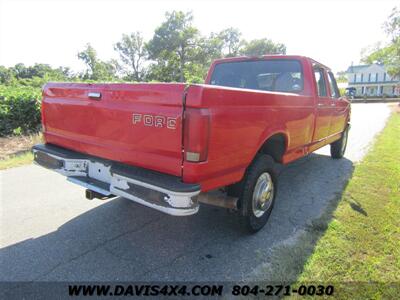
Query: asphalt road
49	231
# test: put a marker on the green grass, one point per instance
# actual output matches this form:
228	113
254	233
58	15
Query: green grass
361	243
17	160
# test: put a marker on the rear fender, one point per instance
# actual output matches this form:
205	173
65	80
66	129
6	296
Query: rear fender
267	135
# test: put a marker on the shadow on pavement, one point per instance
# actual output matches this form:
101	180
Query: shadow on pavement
121	240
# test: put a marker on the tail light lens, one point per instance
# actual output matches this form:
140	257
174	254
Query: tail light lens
42	111
196	134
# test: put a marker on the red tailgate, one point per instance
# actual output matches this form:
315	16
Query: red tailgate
137	124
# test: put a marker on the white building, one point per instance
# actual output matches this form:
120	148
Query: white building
372	80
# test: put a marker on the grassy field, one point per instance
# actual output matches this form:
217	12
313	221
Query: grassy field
15	150
16	160
360	250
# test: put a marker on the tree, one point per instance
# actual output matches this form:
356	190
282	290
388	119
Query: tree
341	76
372	54
97	69
392	25
5	75
89	57
20	71
231	41
212	46
35	75
175	41
262	47
46	71
389	54
165	70
132	52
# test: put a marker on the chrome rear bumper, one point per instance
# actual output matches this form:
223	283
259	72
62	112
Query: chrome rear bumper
162	192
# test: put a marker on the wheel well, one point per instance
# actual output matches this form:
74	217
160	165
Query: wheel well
274	146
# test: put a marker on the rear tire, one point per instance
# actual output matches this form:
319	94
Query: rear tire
338	148
259	192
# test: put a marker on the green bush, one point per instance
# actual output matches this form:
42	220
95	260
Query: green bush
19	110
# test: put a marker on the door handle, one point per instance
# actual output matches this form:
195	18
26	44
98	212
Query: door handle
320	104
333	104
94	95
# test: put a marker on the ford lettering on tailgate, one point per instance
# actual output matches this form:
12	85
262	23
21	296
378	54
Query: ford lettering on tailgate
155	121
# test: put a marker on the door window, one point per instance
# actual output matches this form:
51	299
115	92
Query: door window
320	81
333	86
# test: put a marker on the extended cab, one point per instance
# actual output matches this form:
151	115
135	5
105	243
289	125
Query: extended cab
172	146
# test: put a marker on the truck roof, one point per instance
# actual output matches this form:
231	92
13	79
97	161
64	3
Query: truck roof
272	56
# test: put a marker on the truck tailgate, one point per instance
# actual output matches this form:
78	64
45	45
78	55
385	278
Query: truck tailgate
136	124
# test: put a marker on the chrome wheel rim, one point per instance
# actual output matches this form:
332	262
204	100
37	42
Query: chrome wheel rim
263	194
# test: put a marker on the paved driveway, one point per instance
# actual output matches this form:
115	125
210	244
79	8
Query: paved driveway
49	231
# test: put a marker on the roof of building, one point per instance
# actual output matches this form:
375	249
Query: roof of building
358	68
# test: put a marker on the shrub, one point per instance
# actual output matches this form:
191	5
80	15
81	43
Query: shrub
342	91
19	110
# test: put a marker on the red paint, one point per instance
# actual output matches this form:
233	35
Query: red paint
226	125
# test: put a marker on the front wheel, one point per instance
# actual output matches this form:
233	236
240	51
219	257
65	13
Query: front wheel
338	148
259	192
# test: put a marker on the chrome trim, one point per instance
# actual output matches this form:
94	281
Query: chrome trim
176	203
168	210
154	187
68	170
175	199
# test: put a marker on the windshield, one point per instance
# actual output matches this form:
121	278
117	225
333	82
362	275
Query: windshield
266	75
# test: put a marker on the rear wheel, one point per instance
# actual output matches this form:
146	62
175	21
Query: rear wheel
338	148
259	192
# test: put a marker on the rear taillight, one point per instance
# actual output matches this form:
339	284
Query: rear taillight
196	134
42	111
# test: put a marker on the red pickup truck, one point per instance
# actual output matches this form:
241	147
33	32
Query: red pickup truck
172	146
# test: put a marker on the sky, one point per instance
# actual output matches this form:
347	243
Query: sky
53	32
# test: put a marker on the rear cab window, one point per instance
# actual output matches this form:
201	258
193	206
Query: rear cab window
278	75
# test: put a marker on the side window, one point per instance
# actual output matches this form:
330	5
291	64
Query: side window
320	80
332	84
